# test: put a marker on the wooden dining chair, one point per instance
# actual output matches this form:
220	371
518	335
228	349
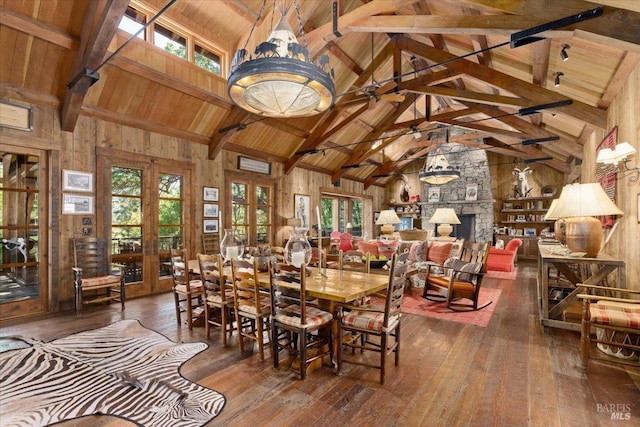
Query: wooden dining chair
218	295
374	328
302	330
186	290
251	304
355	260
210	243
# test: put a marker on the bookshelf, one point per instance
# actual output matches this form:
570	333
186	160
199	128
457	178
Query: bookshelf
523	218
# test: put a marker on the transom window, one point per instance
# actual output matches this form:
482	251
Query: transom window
173	38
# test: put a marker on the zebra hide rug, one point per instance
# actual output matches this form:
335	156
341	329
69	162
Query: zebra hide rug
124	370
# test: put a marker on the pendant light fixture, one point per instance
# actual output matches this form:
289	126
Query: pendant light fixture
437	170
280	79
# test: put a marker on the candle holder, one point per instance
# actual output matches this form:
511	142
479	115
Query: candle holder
297	251
230	246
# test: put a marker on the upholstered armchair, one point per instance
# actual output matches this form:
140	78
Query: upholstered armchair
504	259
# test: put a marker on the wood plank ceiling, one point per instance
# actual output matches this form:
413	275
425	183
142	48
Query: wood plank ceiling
455	83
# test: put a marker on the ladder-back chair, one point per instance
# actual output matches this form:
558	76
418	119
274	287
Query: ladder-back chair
93	272
185	289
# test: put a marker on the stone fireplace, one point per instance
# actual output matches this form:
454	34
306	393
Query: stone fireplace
476	215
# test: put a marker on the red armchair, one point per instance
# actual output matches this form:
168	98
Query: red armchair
503	259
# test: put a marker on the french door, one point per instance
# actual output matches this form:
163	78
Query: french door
251	205
146	202
24	223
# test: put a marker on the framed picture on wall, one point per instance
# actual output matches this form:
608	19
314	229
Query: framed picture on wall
77	181
472	192
210	210
210	226
211	194
302	210
74	204
434	195
529	231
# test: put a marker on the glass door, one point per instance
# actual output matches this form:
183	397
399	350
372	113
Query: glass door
149	202
23	236
251	214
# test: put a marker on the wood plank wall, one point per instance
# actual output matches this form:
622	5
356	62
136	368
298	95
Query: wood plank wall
76	151
623	112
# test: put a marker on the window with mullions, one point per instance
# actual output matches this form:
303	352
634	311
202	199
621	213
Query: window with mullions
170	41
132	21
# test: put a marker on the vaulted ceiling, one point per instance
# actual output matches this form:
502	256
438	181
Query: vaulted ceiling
449	64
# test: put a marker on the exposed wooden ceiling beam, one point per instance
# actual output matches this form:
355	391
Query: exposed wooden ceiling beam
219	139
605	29
579	110
38	29
319	37
96	36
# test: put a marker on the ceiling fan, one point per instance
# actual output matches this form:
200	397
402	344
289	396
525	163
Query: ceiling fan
371	91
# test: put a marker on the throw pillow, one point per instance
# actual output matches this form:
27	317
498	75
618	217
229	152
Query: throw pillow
471	267
413	252
439	252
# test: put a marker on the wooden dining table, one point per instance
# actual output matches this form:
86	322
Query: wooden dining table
338	287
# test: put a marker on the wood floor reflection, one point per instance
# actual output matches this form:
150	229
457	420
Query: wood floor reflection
511	373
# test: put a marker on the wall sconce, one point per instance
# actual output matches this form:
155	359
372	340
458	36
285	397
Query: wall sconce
563	53
556	81
619	154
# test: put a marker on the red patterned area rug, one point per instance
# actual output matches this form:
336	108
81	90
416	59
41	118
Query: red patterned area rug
511	275
415	304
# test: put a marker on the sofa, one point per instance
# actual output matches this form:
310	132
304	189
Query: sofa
503	259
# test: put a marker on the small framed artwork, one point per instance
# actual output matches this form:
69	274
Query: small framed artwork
521	218
434	195
529	231
77	181
210	226
74	204
519	232
472	192
211	194
507	206
210	210
301	209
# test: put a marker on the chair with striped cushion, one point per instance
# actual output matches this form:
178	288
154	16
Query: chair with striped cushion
615	316
374	328
218	295
187	291
302	330
94	273
251	304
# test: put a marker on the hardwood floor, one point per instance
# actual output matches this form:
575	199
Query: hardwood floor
512	373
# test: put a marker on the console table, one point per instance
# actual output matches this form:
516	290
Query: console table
591	271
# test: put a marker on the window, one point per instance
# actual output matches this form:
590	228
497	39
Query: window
173	38
338	211
170	41
207	59
132	21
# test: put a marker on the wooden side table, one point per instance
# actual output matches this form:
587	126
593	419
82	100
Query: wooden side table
591	271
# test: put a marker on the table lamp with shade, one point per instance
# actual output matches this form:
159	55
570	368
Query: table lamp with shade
578	204
387	219
444	217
